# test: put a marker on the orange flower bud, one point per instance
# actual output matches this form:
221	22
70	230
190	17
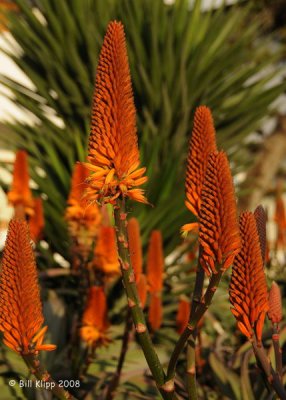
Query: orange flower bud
135	246
275	304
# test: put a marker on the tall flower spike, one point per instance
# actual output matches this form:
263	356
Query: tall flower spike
155	311
202	143
155	262
248	290
135	246
105	252
20	193
21	314
218	231
113	157
261	218
275	304
94	320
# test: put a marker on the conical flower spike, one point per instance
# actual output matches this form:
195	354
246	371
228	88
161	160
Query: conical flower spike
261	218
21	314
20	193
275	304
155	311
155	262
105	252
113	157
94	320
202	143
219	232
248	290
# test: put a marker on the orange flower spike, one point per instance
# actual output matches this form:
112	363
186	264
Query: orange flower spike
135	246
105	252
155	262
113	157
94	320
142	289
202	143
21	314
280	219
248	290
37	221
261	218
20	193
219	232
183	315
275	304
155	311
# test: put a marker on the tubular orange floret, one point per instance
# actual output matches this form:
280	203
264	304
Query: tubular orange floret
21	315
155	311
218	229
155	262
248	290
275	304
94	320
37	221
113	157
20	193
183	315
135	246
261	219
105	252
202	143
78	209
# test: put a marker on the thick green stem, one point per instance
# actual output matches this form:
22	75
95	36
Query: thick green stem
272	377
166	387
277	351
42	374
197	315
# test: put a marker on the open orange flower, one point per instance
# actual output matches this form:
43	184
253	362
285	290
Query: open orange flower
219	232
202	143
20	193
248	290
21	314
94	320
113	157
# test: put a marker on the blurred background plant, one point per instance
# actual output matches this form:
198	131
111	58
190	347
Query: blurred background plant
181	55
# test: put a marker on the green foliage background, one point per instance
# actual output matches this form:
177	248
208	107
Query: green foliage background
180	57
